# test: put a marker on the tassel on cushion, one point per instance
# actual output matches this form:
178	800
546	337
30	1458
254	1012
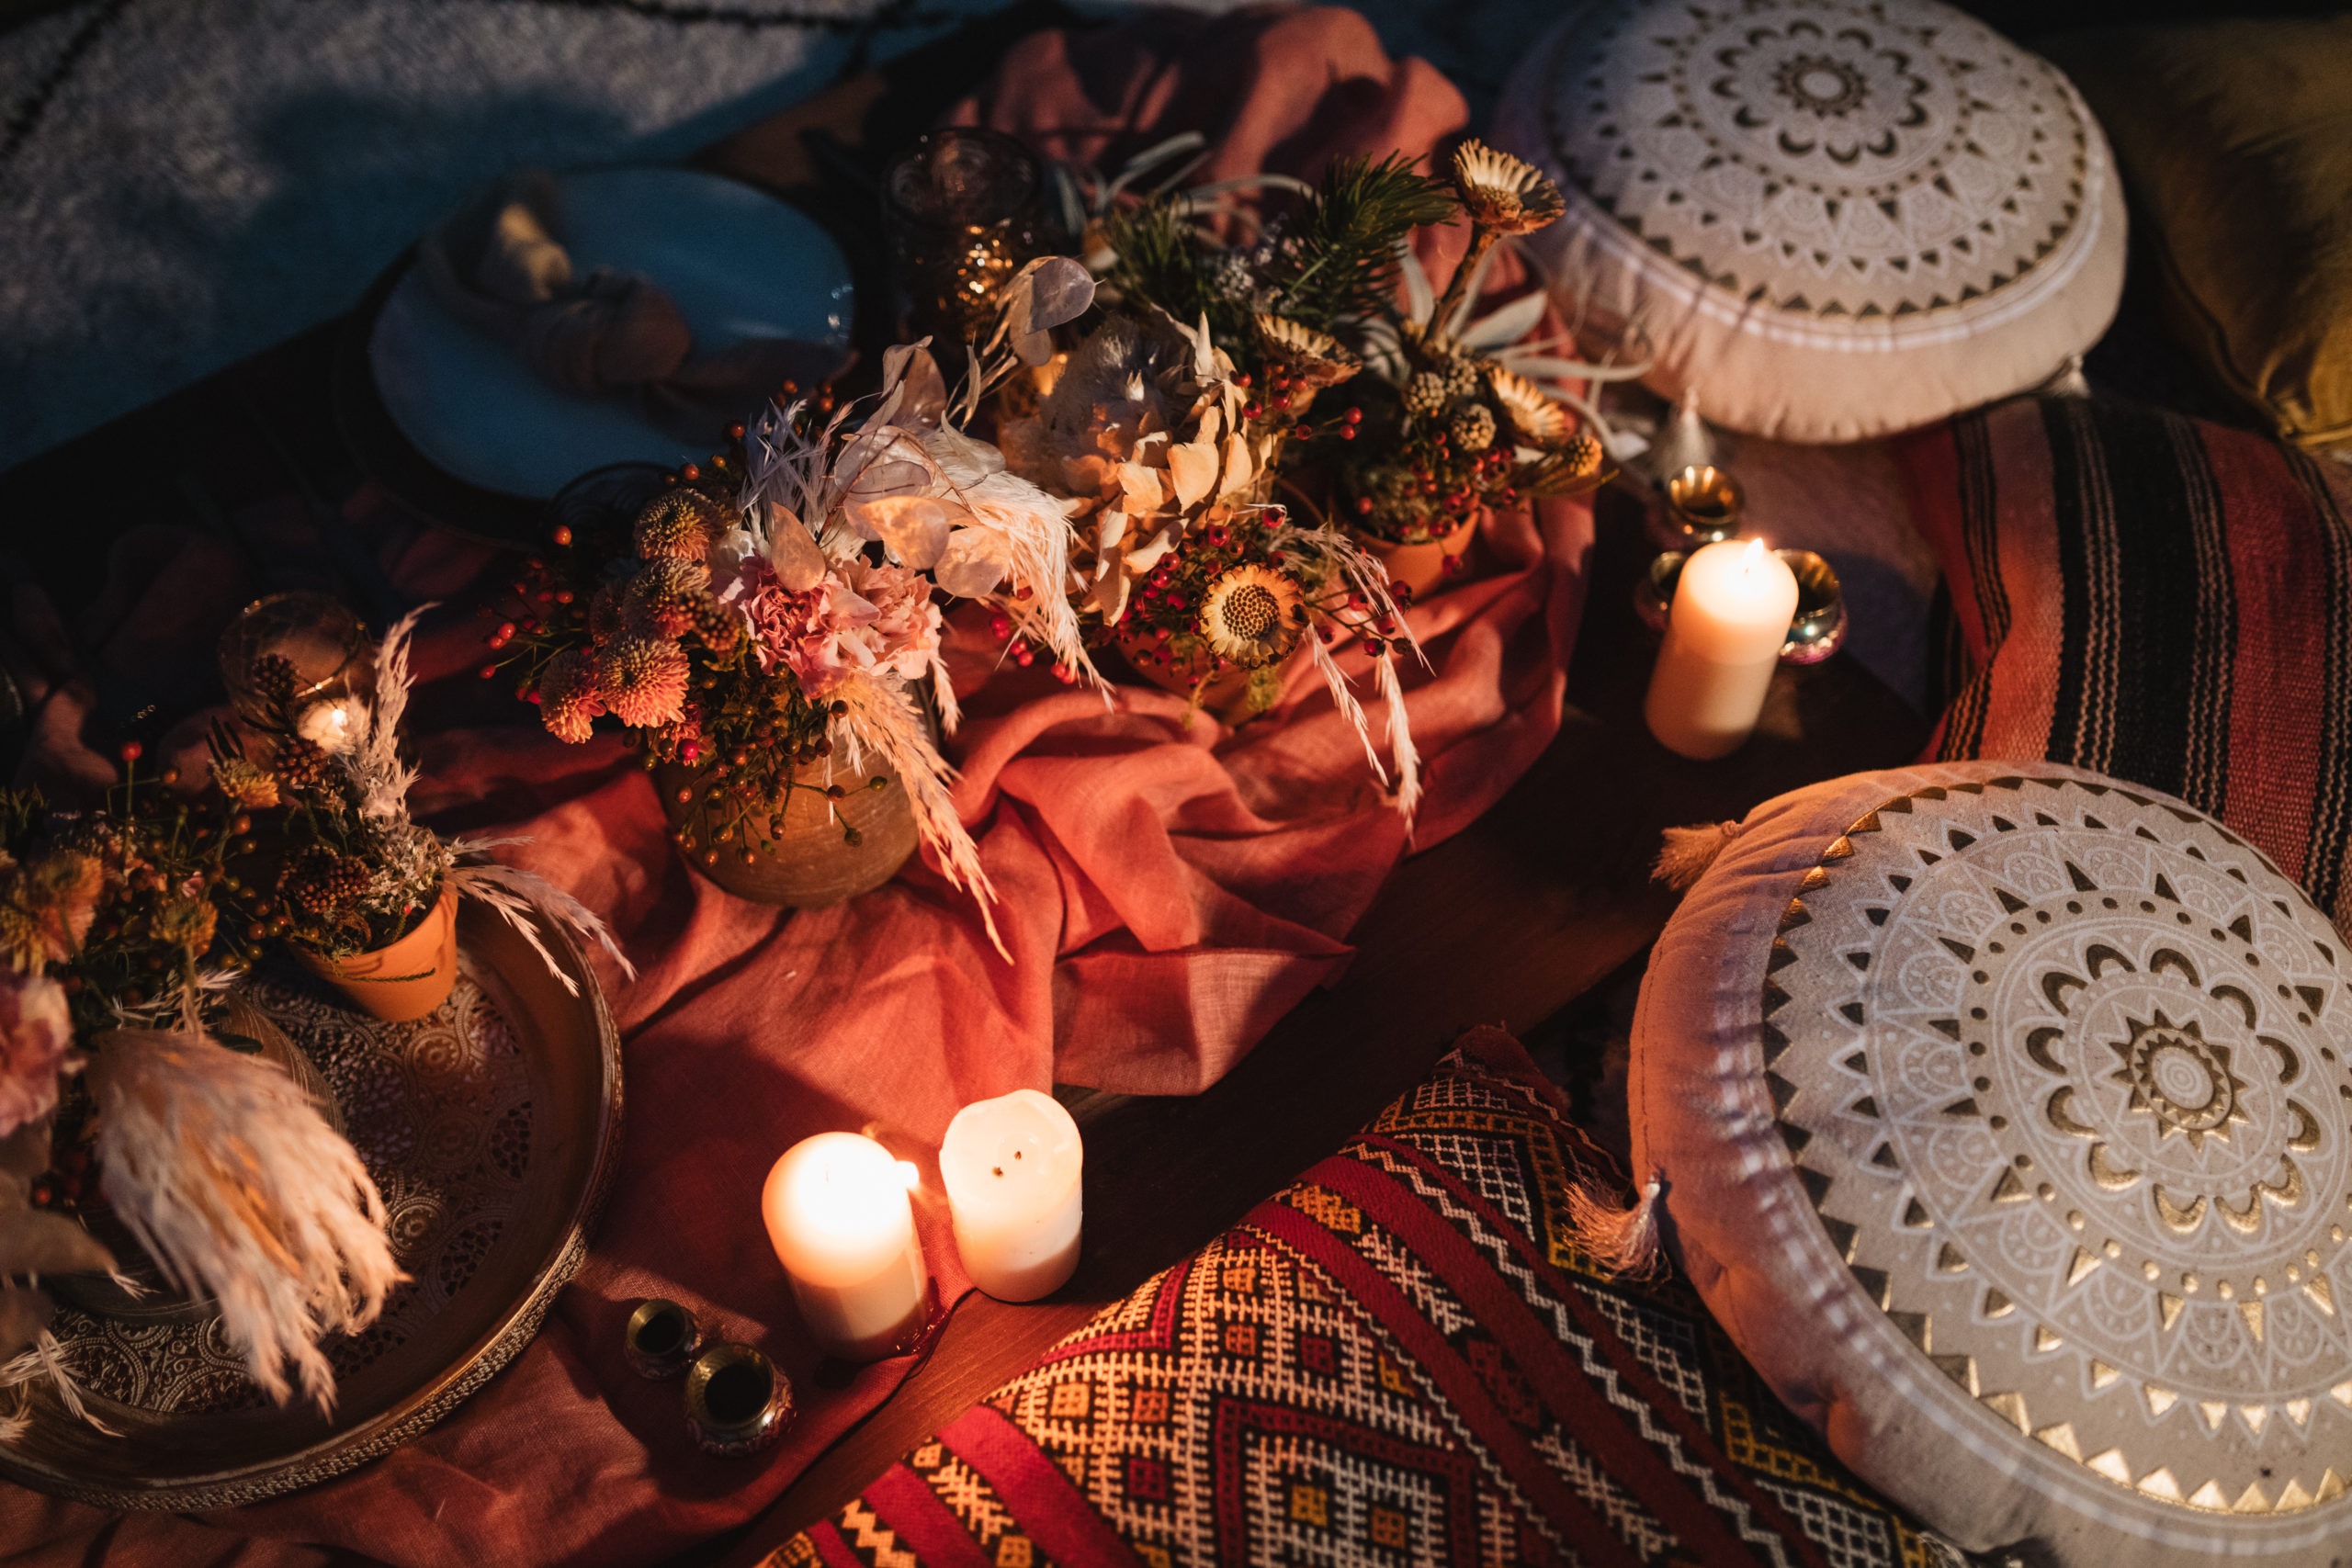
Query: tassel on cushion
1622	1241
1686	852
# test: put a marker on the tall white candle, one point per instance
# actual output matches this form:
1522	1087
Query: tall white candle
1724	636
1011	1167
838	1214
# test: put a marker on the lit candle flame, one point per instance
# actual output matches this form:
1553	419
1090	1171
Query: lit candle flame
1754	553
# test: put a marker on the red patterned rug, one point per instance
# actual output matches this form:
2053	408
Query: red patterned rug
1399	1359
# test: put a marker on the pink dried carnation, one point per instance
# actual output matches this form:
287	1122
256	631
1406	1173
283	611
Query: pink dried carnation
35	1028
643	680
570	695
860	618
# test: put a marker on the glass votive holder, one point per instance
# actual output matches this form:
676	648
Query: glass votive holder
737	1402
1704	503
1816	631
960	208
332	660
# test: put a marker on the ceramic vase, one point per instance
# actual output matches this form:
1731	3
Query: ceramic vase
812	862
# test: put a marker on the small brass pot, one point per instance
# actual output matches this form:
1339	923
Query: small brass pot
737	1401
662	1338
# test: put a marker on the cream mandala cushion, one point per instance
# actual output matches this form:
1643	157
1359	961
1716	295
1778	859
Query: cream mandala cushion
1999	1114
1833	218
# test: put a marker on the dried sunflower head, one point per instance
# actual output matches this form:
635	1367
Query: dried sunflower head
1315	359
1534	419
1503	193
1253	615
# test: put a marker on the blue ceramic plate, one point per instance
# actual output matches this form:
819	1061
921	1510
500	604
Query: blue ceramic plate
739	263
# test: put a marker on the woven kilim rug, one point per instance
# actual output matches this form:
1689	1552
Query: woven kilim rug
1399	1359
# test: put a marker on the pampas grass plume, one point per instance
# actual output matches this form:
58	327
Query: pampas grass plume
235	1184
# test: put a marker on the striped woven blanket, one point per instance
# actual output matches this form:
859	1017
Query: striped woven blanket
2156	598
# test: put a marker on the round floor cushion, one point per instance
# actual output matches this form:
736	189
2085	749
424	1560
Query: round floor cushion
1833	218
1999	1111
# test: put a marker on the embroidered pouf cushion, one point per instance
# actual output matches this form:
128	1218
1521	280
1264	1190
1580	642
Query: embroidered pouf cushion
1399	1359
2159	598
1998	1112
1831	218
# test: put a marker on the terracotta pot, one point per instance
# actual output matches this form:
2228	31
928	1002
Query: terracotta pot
406	979
813	862
1420	567
1235	697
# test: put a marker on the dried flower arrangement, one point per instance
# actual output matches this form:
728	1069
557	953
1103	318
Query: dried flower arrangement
1167	420
124	930
766	620
1457	419
352	871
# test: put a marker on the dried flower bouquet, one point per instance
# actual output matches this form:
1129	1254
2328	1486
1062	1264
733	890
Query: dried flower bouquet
772	619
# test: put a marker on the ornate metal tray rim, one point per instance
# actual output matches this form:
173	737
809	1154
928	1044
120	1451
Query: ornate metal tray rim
408	1416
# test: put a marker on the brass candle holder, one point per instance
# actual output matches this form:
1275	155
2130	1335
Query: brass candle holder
1816	631
1705	503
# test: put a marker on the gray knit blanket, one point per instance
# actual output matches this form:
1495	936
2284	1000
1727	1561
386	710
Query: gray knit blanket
185	182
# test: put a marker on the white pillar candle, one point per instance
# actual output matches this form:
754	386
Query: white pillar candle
1012	1167
838	1214
1724	636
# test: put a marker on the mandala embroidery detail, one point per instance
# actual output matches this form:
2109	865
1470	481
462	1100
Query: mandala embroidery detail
2066	1071
1826	158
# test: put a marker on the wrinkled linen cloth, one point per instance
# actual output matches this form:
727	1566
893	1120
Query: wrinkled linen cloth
1167	889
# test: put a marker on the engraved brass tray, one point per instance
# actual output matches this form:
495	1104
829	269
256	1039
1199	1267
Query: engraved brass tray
492	1126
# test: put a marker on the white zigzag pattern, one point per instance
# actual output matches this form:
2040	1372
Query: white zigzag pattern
1498	1252
870	1535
